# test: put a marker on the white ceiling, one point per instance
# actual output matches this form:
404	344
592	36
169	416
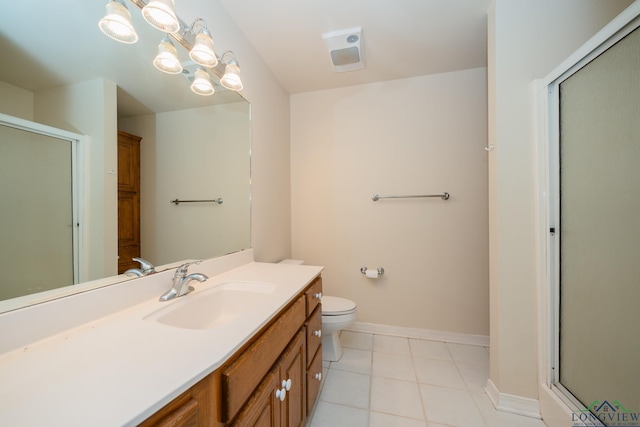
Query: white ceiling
38	52
401	38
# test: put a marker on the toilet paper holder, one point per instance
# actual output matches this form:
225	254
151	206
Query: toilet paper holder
380	270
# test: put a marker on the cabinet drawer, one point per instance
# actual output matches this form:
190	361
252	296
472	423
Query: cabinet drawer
314	333
314	379
313	295
243	375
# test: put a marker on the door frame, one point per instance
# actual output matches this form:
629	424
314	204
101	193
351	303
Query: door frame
547	203
78	149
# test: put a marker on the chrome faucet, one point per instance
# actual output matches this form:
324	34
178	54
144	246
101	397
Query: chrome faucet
145	269
181	281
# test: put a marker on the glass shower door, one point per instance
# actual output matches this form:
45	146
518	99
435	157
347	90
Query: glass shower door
599	204
37	226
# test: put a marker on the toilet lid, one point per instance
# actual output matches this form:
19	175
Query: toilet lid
335	306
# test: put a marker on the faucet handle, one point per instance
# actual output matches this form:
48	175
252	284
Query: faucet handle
146	266
182	270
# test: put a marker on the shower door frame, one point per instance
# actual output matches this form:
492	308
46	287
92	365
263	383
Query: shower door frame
548	198
78	145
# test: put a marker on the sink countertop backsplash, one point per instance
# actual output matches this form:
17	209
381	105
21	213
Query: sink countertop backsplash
92	359
34	323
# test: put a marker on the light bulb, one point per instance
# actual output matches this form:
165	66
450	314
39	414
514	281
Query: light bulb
161	15
117	25
231	78
202	52
167	58
202	83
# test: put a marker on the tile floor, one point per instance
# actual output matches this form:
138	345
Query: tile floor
388	381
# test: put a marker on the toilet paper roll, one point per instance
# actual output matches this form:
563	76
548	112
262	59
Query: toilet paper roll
372	274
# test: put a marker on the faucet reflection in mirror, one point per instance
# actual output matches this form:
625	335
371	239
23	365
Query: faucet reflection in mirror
196	38
145	269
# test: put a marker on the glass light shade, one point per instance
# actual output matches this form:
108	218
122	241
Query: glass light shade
167	58
160	14
231	79
117	25
202	83
202	52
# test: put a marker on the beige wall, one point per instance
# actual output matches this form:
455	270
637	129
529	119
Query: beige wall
89	108
15	101
193	154
527	39
270	204
414	136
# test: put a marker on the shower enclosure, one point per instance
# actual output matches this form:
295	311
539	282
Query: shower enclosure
594	232
39	224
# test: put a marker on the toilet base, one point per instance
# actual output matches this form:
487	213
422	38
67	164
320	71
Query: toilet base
331	347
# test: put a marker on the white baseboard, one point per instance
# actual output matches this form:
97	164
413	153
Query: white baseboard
514	404
425	334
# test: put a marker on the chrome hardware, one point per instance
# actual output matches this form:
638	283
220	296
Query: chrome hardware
318	333
145	269
178	201
286	384
181	281
363	270
318	376
318	295
443	196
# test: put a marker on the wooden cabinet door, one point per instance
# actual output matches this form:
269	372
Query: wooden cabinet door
193	408
293	368
128	200
264	408
242	376
314	379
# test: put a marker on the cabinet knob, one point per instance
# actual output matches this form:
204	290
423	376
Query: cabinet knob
281	394
318	295
286	384
318	333
318	376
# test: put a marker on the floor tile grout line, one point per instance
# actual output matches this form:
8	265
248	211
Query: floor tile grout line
470	393
370	387
413	362
416	380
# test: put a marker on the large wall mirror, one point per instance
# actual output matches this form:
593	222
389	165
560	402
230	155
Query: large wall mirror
59	71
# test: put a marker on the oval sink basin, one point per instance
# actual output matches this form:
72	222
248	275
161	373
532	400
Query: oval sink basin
213	307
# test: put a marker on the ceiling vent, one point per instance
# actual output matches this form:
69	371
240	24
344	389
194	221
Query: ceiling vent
345	49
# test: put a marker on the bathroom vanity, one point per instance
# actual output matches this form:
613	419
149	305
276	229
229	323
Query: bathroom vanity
273	380
174	363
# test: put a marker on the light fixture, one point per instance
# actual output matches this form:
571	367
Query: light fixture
167	58
231	78
161	14
202	51
117	23
202	83
196	38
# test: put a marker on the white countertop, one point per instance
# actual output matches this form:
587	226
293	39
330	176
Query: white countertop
119	369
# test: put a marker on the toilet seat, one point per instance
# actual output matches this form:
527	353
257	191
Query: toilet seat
336	306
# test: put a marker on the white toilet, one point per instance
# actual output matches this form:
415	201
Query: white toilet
337	314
